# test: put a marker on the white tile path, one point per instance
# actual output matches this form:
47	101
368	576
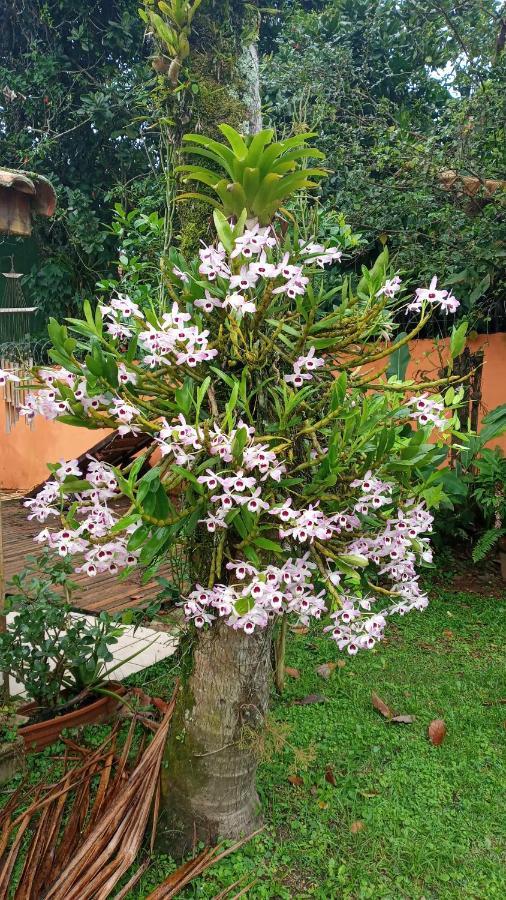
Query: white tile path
150	647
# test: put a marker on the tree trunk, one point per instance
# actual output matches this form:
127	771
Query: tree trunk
209	772
208	780
223	66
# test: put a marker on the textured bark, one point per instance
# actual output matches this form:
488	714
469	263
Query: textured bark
209	772
223	63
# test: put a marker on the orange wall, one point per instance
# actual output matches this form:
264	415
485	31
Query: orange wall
427	359
24	453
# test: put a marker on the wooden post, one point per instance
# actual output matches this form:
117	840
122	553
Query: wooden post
4	684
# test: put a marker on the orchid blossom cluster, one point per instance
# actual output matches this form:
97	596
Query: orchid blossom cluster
254	597
89	531
289	468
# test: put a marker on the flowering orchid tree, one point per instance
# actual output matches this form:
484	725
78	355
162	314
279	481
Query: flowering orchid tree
295	476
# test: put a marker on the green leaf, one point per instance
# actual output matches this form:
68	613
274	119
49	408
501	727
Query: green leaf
480	289
139	537
188	476
76	485
157	542
125	522
201	393
223	230
240	441
458	339
244	605
399	360
229	409
80	423
267	544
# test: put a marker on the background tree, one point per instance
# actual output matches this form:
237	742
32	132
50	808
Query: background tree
74	86
400	92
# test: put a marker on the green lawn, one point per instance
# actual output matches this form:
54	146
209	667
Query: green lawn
434	821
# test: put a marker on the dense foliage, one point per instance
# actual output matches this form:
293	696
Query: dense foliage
398	91
52	652
75	85
401	93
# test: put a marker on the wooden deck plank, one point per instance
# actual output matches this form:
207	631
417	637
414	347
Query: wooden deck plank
104	592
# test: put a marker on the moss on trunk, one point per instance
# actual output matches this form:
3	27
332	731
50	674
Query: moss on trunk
209	771
224	79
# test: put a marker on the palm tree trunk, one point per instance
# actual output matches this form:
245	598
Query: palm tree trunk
209	773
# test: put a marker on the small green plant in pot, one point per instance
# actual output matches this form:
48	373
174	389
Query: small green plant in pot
63	660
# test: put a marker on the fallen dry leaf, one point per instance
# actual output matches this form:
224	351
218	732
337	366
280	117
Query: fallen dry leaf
437	732
310	698
299	629
323	804
403	720
369	794
326	669
357	826
448	634
293	673
296	780
381	706
341	663
329	776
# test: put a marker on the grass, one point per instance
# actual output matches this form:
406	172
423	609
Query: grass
432	820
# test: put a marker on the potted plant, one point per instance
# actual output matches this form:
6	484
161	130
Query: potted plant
11	742
61	658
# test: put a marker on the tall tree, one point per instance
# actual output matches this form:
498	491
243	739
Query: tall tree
209	784
74	91
401	92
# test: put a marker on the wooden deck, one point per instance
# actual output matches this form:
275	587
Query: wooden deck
104	592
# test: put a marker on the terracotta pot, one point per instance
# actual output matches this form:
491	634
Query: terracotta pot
41	734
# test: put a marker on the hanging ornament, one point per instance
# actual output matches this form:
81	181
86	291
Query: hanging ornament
16	323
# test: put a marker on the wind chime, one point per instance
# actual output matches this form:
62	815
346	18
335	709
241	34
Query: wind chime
16	324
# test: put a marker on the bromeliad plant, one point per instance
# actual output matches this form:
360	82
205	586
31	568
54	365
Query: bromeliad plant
260	174
296	475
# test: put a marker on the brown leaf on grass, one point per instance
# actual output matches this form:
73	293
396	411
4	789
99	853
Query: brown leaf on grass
341	663
329	776
293	673
381	706
357	826
295	780
326	669
299	629
310	698
436	732
448	634
403	720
